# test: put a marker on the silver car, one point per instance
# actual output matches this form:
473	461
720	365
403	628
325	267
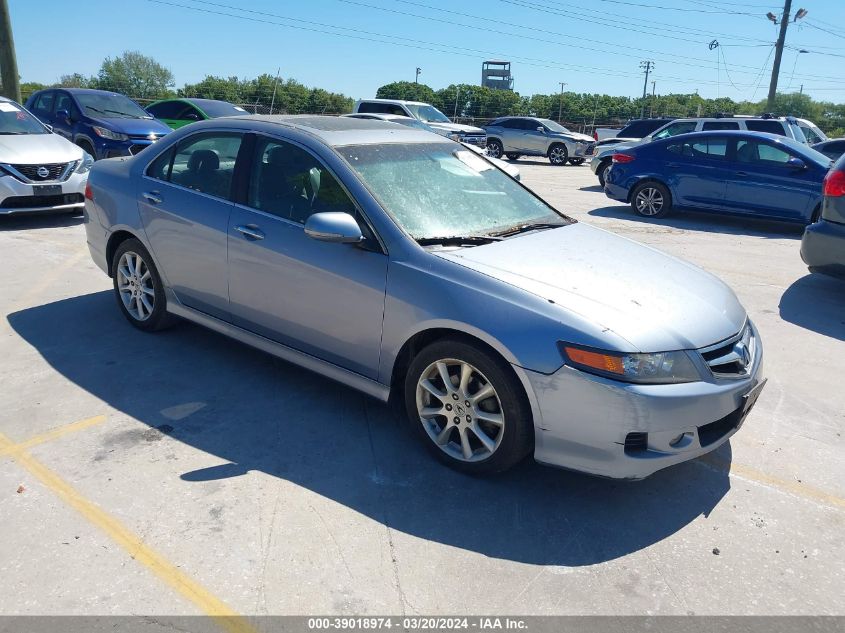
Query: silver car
515	136
399	263
39	171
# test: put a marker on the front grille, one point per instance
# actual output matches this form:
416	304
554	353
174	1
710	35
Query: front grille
733	357
54	171
35	202
481	141
590	148
145	137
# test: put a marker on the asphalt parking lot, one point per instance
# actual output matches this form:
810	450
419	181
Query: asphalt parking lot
184	473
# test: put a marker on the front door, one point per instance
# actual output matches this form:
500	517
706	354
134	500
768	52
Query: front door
323	299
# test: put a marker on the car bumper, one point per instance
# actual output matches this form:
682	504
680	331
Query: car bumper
595	162
582	421
615	192
17	197
823	248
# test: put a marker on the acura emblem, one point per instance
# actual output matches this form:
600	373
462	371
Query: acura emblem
43	172
744	354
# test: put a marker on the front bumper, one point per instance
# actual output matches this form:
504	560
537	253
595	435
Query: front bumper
823	248
582	422
17	197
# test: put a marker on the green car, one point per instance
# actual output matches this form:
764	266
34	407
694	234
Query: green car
179	112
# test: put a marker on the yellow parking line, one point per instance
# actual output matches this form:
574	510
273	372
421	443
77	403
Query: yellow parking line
793	487
56	433
123	536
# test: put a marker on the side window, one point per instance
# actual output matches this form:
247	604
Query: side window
760	153
379	108
673	129
166	110
160	167
206	163
720	125
44	102
766	125
289	182
365	106
189	114
395	109
509	124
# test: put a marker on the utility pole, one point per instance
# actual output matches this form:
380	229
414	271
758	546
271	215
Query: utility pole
417	76
275	84
8	61
800	92
785	18
646	65
560	103
457	92
653	88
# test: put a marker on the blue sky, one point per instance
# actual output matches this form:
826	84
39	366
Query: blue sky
354	46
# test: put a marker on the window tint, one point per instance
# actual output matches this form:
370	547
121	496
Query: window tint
206	163
720	125
510	124
772	127
190	114
809	134
160	167
44	102
673	129
762	153
289	182
710	148
381	108
639	129
65	102
167	109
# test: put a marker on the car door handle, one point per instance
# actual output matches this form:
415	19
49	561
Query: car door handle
742	173
250	232
152	197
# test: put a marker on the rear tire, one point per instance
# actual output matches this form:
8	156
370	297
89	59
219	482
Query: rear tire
512	156
495	149
478	436
138	287
602	171
576	161
651	200
558	154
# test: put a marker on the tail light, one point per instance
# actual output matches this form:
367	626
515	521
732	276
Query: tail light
622	158
89	193
834	184
595	136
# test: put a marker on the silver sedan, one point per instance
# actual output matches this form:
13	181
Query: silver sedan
400	263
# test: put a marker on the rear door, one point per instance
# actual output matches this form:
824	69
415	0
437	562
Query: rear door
185	199
698	171
511	133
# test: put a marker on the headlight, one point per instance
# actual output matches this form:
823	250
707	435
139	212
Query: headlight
85	164
113	136
658	368
455	137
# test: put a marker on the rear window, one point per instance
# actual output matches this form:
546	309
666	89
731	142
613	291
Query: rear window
639	129
772	127
381	108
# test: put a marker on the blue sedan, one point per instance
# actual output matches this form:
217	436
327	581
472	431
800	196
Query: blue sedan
741	173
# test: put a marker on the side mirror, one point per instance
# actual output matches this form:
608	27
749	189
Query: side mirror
796	163
63	115
340	228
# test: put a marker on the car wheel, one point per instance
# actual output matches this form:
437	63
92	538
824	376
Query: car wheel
495	149
576	161
558	155
512	156
85	145
468	408
651	200
138	287
602	171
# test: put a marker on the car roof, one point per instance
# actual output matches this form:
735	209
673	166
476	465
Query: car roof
335	131
378	115
394	101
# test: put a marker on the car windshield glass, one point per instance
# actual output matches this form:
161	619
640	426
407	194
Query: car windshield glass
554	127
111	106
435	190
220	108
15	120
427	113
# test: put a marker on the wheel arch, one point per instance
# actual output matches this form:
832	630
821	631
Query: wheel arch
647	179
115	240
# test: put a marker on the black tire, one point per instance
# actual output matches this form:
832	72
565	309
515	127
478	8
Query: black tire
513	440
602	170
576	161
651	200
495	149
558	154
85	145
152	320
512	156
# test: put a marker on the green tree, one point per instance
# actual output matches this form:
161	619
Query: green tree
135	75
77	80
407	90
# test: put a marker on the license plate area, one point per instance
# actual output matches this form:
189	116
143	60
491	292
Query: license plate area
750	399
46	190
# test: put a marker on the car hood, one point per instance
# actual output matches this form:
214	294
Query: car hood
653	300
455	127
574	136
135	127
30	149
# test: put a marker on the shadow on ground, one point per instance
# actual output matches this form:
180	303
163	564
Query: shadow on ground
261	414
707	222
33	221
816	302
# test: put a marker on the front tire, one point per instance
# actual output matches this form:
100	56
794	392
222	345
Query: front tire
558	154
651	200
138	287
512	156
495	149
468	408
576	161
601	172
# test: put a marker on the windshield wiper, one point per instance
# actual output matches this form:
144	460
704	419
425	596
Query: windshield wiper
531	226
457	240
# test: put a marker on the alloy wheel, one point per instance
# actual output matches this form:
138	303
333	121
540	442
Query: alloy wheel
494	150
558	155
135	286
460	410
649	201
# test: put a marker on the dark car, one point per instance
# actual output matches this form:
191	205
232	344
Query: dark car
178	112
104	124
634	131
742	173
823	244
833	148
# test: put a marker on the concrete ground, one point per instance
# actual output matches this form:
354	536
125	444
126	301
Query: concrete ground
183	473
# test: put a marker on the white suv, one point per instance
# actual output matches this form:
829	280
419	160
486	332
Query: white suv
426	113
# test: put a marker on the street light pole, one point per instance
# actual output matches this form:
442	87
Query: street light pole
560	103
417	76
785	18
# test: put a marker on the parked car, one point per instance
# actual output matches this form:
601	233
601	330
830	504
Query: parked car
833	148
515	136
823	244
744	173
811	131
634	131
104	124
426	113
508	168
397	262
39	171
783	126
178	112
